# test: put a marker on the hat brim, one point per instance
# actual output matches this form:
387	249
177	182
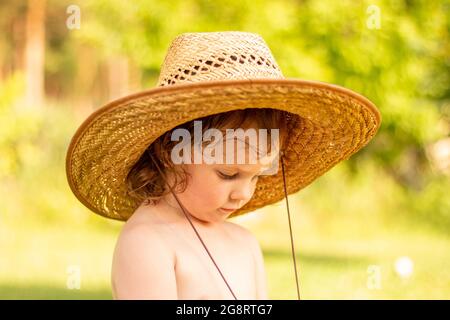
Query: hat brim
329	124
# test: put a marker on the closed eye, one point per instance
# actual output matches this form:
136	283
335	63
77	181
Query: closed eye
226	176
231	177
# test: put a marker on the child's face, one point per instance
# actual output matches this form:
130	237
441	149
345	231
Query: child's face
213	187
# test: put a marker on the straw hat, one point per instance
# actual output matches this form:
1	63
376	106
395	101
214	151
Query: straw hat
207	73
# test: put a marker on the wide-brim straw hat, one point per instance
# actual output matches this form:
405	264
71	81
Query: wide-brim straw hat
204	74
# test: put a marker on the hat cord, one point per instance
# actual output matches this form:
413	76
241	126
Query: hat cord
290	228
189	219
199	237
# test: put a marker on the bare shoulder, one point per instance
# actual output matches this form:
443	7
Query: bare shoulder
141	236
246	235
139	233
143	263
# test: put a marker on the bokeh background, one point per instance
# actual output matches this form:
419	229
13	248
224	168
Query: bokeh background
374	227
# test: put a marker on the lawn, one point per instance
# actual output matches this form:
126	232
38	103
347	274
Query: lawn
342	259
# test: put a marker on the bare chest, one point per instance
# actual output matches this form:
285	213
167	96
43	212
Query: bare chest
196	274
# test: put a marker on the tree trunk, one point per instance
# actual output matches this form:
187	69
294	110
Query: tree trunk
117	76
34	53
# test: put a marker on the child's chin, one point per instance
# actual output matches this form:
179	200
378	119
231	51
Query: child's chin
224	213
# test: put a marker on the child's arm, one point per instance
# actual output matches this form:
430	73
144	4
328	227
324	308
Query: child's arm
143	266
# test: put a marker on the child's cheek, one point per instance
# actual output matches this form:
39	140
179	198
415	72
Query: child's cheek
216	194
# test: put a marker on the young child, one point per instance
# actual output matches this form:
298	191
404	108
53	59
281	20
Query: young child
123	164
158	255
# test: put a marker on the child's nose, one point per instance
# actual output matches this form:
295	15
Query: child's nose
243	192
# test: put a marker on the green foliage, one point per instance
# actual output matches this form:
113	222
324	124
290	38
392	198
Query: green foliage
383	202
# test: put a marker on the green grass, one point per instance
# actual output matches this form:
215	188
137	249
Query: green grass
43	291
332	263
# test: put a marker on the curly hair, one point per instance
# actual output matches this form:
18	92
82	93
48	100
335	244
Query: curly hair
144	181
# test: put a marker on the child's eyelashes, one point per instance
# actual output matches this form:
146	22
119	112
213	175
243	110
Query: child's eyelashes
226	176
231	177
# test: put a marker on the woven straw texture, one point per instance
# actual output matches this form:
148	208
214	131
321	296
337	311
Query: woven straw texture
205	74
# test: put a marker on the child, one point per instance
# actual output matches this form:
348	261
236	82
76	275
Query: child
123	163
158	255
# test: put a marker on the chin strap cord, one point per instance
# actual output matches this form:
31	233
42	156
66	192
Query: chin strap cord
199	237
195	230
290	227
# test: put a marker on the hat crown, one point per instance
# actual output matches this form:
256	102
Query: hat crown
212	56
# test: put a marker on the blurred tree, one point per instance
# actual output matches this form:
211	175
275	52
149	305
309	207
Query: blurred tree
35	52
402	66
12	25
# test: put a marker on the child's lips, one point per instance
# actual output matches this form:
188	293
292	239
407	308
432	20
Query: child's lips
228	210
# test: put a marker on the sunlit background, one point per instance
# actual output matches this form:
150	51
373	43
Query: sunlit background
374	227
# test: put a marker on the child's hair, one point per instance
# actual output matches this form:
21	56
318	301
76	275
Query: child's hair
145	183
